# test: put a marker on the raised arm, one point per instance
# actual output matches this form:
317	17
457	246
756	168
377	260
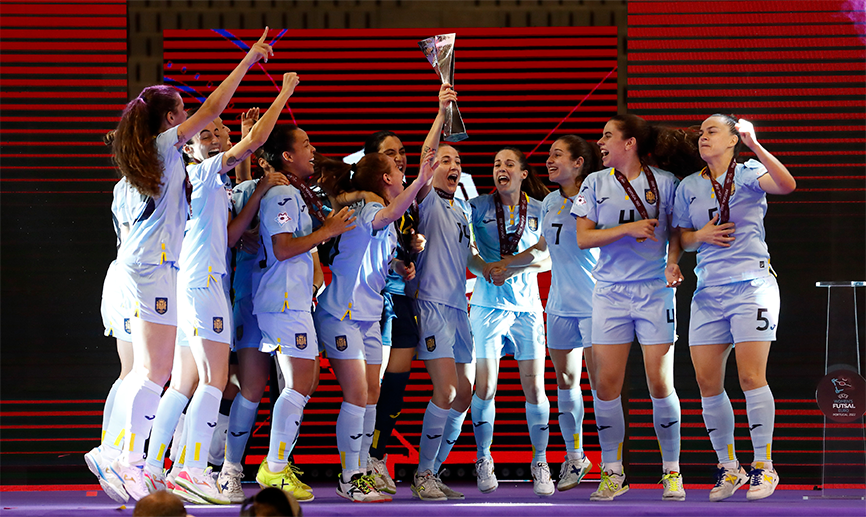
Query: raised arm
243	172
446	96
219	98
779	180
401	203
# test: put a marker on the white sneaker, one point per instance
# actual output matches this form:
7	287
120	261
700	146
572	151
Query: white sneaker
132	477
572	472
360	489
425	487
449	492
541	483
217	451
487	481
230	483
111	484
154	481
201	483
727	482
379	470
612	485
673	483
763	482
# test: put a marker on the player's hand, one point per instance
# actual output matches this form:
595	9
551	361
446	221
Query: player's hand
721	235
446	96
339	223
643	229
259	51
407	272
249	241
488	268
425	175
290	81
248	120
417	242
499	275
747	133
673	275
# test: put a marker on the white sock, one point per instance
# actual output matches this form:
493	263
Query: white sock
538	422
453	426
241	419
367	439
200	423
142	413
170	408
285	423
350	429
178	440
611	431
571	412
432	429
666	421
109	405
718	416
761	410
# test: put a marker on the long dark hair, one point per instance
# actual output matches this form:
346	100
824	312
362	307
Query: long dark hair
134	150
371	145
335	175
532	184
674	150
731	122
281	139
580	148
366	175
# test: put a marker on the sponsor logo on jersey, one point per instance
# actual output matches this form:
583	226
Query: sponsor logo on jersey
283	218
342	343
533	223
301	340
487	221
283	202
650	196
601	200
217	324
127	326
431	343
161	305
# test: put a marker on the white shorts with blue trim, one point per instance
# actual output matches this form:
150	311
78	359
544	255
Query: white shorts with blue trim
247	332
568	332
151	291
619	311
499	332
116	315
204	312
349	339
290	333
735	313
444	331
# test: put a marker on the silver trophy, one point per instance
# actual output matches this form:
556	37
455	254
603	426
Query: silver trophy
439	51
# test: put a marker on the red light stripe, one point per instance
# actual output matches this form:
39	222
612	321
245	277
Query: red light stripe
735	6
752	92
56	10
770	79
737	18
680	44
63	21
421	77
59	168
742	104
53	95
466	56
392	44
119	83
63	58
742	31
52	70
65	34
21	155
250	35
48	488
8	414
35	119
736	67
59	180
283	67
51	131
53	426
753	117
768	56
94	143
33	46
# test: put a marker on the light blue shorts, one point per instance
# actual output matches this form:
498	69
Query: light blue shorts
568	332
349	339
115	313
499	332
735	313
204	312
247	332
443	331
619	311
151	291
290	333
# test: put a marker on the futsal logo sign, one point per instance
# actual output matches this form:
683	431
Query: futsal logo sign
841	396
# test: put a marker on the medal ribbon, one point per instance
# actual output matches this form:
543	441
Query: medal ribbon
508	241
629	190
723	194
309	197
443	194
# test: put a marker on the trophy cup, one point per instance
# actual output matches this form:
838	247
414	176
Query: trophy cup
439	51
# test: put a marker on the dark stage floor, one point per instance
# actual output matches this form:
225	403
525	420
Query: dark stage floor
510	500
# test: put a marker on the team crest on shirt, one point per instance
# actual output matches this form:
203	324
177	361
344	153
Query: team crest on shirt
161	305
342	343
431	343
283	218
239	332
533	223
217	324
650	196
127	326
301	341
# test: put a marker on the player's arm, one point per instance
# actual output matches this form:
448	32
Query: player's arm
243	172
779	180
588	236
398	206
673	275
287	246
446	96
238	225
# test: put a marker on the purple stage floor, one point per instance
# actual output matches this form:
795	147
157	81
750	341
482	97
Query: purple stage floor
510	500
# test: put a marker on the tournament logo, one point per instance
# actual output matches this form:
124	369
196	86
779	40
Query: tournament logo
580	200
533	223
217	325
342	343
127	326
431	343
301	341
650	196
283	218
161	305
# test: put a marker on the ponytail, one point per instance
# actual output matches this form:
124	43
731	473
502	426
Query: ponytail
335	175
674	150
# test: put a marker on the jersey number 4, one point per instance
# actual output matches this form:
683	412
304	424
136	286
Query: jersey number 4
463	231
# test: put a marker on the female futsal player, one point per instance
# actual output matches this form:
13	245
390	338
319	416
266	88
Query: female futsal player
508	318
625	210
569	304
152	128
350	308
721	213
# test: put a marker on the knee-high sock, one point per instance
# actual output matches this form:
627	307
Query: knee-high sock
241	419
432	429
611	432
387	410
285	424
570	405
367	439
350	429
453	426
114	434
167	414
483	416
666	421
217	450
178	442
761	410
142	412
109	405
718	416
201	419
538	421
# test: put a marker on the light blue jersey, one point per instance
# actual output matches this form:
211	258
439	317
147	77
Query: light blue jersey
520	292
359	265
118	208
245	263
284	284
203	258
440	270
571	282
696	204
603	200
156	229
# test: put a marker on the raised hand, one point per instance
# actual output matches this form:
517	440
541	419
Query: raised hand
260	50
446	96
428	166
747	133
290	81
248	120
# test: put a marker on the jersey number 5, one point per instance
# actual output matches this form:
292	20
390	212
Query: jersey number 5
763	319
